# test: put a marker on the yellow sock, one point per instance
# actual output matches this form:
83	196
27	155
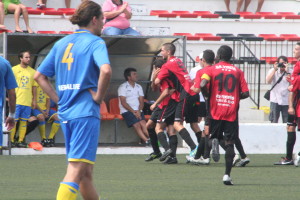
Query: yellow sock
54	128
66	192
13	133
22	130
42	129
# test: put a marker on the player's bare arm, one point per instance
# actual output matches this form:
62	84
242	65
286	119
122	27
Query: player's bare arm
103	83
10	120
46	86
203	87
291	109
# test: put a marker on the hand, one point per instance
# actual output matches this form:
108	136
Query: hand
291	111
290	88
153	106
288	77
46	113
276	66
124	6
137	114
155	73
9	123
94	96
286	67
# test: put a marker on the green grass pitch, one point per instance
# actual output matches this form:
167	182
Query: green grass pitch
129	177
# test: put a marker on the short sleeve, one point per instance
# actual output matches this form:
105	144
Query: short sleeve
47	67
197	79
163	73
100	54
10	80
141	92
107	7
121	91
207	74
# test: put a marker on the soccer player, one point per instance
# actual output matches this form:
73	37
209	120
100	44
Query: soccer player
8	82
227	87
293	113
175	70
163	118
203	150
26	96
43	113
82	69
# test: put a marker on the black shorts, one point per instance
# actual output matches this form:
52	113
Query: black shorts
155	114
222	129
202	110
191	109
293	120
167	114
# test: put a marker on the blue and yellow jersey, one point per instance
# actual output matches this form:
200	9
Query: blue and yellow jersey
75	61
41	98
25	81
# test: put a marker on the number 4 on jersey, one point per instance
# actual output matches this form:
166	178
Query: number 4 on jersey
67	58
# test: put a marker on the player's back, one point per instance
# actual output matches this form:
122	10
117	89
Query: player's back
75	60
225	89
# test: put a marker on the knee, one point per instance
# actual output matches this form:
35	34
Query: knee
41	118
23	8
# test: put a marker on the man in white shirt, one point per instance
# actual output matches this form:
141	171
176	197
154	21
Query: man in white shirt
279	94
131	103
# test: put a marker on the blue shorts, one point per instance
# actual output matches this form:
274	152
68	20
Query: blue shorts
52	113
130	119
22	112
81	138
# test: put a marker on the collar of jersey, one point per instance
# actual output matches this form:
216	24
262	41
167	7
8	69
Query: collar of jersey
82	31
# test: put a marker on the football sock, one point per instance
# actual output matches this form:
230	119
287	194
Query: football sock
154	140
291	139
162	138
22	130
31	126
173	144
207	148
67	191
198	136
42	129
229	155
222	143
187	138
13	132
54	128
239	147
200	150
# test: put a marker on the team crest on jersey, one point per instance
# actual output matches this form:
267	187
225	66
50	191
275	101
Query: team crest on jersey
24	81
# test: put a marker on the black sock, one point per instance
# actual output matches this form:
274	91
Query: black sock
187	138
198	136
153	140
173	144
207	148
163	140
200	150
31	126
222	144
229	155
240	149
291	139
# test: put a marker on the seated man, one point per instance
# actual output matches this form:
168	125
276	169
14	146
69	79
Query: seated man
117	15
131	103
15	7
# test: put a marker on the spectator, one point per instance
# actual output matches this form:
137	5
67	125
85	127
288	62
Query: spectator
7	81
26	96
15	7
41	4
117	15
43	113
131	103
279	94
2	26
247	2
